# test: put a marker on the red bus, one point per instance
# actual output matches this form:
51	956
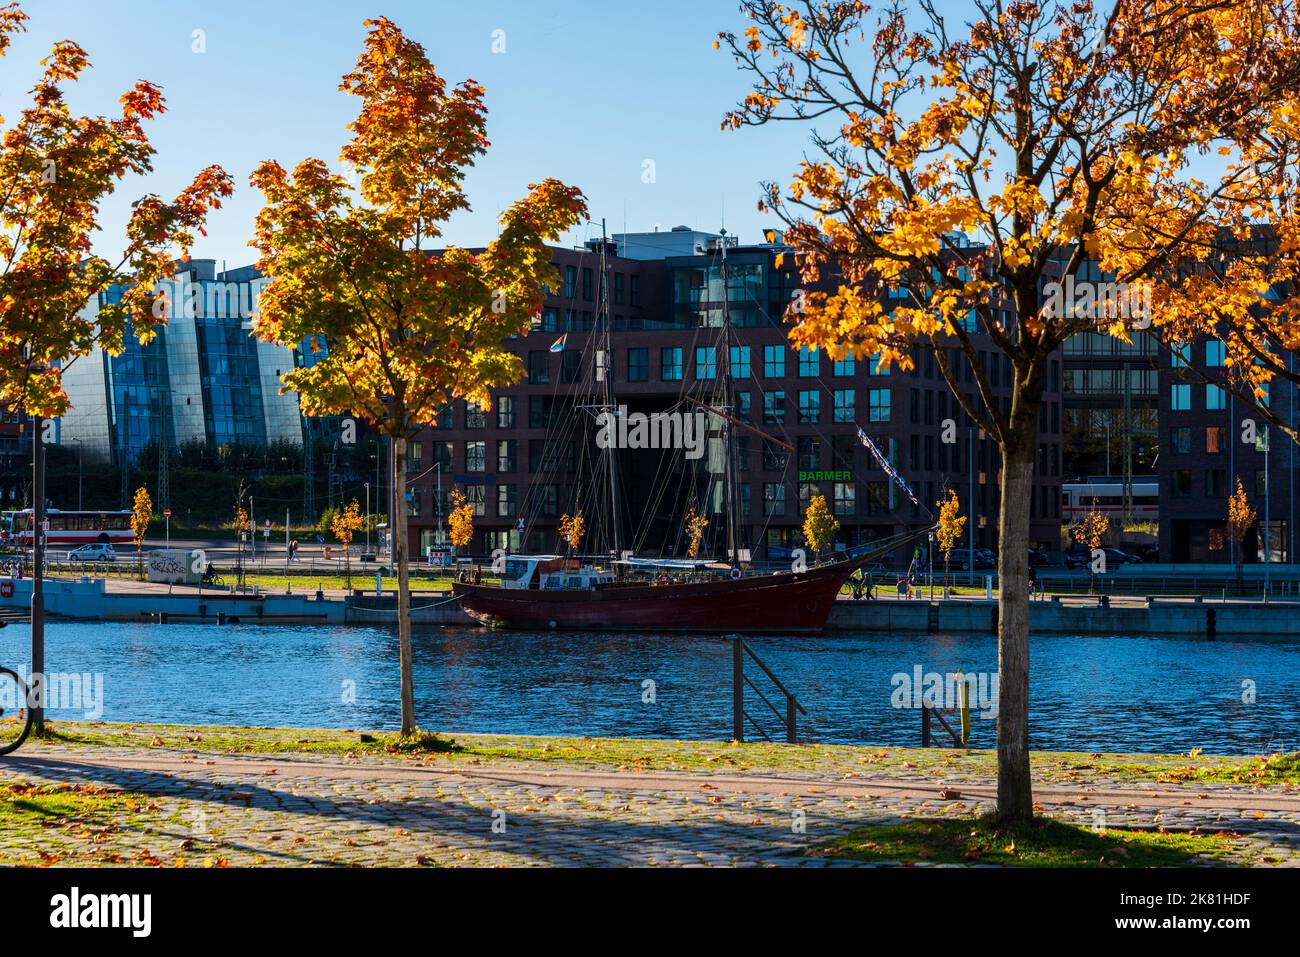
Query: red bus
68	528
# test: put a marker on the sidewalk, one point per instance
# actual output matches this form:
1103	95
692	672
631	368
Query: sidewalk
171	807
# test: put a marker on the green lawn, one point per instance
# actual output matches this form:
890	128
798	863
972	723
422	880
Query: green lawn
951	766
1042	843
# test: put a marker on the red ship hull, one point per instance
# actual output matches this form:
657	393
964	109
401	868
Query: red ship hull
784	602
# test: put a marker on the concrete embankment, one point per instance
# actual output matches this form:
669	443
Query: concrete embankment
90	599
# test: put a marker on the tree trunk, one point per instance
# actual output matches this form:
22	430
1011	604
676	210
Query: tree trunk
1015	791
405	655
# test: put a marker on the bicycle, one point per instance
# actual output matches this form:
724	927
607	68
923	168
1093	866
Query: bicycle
14	727
211	576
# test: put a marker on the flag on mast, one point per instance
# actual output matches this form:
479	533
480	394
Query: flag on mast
558	344
885	464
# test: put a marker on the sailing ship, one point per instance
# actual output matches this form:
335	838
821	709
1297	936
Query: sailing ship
624	592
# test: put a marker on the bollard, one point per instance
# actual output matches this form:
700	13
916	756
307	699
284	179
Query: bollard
988	587
1211	624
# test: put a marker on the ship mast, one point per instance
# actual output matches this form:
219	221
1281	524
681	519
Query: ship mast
611	407
730	471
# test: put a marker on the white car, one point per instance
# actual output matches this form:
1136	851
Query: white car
94	552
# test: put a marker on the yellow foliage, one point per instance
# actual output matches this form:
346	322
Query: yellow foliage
819	525
460	520
572	528
1240	515
951	524
141	514
695	526
1091	529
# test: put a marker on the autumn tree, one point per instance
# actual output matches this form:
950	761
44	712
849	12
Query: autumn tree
695	526
460	520
141	518
819	525
572	529
950	526
56	170
345	523
958	168
1241	518
399	328
1090	531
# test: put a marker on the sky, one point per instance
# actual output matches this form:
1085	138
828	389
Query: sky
588	91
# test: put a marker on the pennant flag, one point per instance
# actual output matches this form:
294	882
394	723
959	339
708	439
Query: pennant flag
885	465
558	344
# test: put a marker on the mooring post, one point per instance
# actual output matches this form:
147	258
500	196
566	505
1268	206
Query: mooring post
925	726
737	689
789	720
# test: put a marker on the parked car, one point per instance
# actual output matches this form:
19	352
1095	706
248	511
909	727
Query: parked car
1037	558
984	558
1148	553
1115	556
94	552
1076	556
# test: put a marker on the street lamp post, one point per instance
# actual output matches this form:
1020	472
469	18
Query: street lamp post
367	518
80	507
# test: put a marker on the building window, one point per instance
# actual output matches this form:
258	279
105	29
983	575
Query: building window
475	456
774	362
809	364
706	362
414	457
588	284
774	457
413	503
843	406
618	288
878	405
548	501
570	282
539	367
740	362
774	407
1178	355
810	453
542	456
1215	352
744	407
475	417
1180	440
773	499
638	365
506	455
845	366
634	290
442	455
1215	439
1215	398
1216	483
1180	399
1180	483
810	406
505	412
846	498
507	506
670	364
570	367
474	495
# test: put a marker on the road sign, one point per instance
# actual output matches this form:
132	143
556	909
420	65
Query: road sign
167	513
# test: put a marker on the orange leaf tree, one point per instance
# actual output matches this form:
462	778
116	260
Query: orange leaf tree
1056	135
56	168
1241	517
401	330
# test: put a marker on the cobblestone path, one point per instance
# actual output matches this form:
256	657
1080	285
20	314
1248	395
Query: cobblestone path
217	810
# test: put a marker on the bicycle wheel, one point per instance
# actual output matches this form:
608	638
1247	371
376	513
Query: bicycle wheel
15	715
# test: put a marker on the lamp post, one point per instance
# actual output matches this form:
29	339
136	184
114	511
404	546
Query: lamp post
367	518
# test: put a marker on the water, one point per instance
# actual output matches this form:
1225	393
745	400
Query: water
1091	694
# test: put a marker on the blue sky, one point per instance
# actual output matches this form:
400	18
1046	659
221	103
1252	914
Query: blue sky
586	91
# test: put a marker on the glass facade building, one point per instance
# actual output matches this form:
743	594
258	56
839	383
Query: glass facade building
203	378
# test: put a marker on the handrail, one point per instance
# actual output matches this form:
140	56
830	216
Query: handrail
739	680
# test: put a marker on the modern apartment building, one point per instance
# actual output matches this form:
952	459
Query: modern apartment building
529	460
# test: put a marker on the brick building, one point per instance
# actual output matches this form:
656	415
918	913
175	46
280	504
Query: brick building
533	458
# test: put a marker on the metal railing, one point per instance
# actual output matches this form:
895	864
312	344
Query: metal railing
739	680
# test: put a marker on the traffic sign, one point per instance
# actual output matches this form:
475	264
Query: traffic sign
167	513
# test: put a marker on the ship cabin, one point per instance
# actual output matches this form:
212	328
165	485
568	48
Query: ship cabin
551	573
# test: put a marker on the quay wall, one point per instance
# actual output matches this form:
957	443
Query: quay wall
88	599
